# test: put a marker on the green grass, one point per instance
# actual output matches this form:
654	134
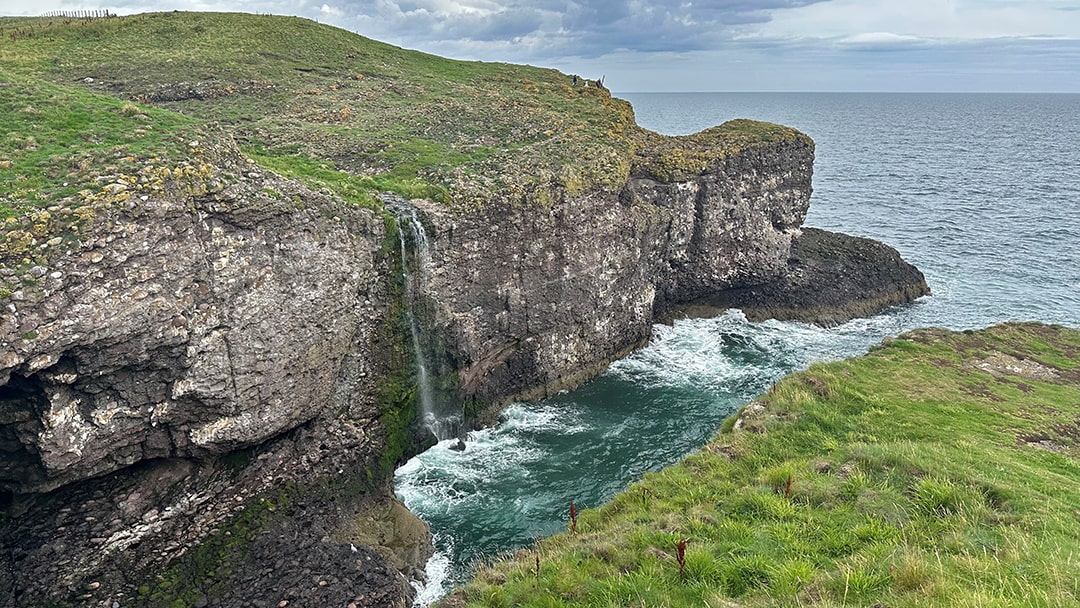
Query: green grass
671	159
65	153
364	106
306	98
914	481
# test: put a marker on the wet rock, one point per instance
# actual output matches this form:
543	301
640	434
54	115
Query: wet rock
829	279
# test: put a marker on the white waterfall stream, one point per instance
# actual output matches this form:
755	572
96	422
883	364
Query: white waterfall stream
441	423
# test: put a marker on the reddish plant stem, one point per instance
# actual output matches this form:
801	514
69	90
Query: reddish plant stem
680	555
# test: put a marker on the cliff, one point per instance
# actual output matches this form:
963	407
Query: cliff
204	343
533	299
221	355
187	328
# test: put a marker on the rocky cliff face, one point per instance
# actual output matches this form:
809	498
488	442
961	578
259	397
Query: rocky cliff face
186	373
186	331
535	299
217	358
205	367
830	278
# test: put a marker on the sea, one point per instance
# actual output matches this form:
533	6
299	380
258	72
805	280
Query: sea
980	191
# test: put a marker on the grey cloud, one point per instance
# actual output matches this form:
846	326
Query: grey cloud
585	16
544	28
504	25
567	27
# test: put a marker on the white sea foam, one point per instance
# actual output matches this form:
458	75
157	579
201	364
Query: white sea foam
726	359
437	571
441	478
543	416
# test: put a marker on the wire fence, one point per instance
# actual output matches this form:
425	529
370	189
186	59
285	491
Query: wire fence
93	14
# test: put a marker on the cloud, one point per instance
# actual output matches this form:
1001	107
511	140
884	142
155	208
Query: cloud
583	28
713	44
887	38
882	41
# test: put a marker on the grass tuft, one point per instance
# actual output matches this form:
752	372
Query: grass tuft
947	505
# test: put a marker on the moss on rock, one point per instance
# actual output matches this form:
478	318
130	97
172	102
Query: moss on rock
674	159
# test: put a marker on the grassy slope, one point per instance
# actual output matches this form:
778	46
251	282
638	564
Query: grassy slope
99	113
307	100
917	477
289	88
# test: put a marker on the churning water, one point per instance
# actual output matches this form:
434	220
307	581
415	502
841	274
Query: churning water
981	192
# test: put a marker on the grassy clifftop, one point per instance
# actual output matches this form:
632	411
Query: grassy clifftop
291	91
85	100
940	469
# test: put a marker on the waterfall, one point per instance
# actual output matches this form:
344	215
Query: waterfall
443	420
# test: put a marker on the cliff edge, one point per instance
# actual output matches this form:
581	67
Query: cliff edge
211	320
910	471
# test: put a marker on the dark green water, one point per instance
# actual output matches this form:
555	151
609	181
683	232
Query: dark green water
982	192
514	482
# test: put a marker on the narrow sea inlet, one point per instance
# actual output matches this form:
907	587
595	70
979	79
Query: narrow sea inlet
976	190
514	482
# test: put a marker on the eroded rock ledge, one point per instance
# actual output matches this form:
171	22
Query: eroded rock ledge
830	278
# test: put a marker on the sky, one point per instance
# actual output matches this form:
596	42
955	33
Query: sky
712	45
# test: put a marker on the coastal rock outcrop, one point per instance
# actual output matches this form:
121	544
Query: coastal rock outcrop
213	364
215	361
830	278
533	299
206	367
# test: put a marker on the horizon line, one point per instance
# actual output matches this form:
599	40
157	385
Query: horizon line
834	92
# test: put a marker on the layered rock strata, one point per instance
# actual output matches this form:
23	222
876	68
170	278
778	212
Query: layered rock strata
195	370
203	368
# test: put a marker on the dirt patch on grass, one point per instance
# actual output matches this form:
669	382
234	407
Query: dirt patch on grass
1001	365
1060	438
1041	440
983	391
817	385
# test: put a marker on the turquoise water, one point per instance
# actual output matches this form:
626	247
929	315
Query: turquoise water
982	192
